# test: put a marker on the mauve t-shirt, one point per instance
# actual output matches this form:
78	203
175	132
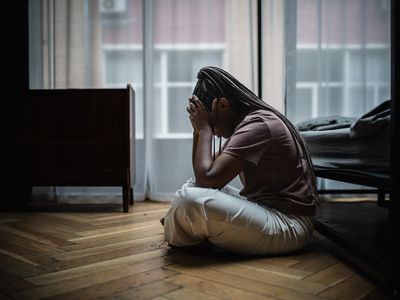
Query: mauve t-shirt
274	177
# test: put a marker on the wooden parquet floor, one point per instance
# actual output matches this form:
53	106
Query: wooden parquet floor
114	255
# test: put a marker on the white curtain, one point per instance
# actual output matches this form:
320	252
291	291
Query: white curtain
182	37
156	45
339	51
325	57
337	59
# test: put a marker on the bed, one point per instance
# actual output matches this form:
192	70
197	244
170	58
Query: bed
352	150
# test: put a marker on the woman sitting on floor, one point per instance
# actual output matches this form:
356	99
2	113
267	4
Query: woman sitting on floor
273	212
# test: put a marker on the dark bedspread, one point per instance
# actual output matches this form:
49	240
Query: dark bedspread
341	143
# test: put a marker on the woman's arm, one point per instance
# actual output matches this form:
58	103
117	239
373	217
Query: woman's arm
203	156
202	136
194	148
209	173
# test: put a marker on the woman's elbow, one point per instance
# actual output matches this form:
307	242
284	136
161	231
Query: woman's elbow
209	182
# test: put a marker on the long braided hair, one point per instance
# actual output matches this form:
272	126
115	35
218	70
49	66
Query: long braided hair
214	82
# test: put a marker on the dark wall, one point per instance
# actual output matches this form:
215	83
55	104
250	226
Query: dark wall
395	148
14	31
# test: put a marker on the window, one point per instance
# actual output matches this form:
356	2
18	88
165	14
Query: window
86	45
340	81
175	79
342	58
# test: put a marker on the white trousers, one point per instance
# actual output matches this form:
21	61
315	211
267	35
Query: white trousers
232	222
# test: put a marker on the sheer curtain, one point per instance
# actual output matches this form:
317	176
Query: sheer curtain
337	58
340	52
185	36
156	45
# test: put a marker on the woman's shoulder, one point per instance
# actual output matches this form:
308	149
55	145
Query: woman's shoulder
255	121
264	118
261	116
261	113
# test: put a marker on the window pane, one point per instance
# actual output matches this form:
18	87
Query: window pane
208	58
370	97
378	68
183	65
355	66
383	93
178	121
303	104
307	65
123	66
157	66
157	107
330	102
332	65
180	65
362	99
308	61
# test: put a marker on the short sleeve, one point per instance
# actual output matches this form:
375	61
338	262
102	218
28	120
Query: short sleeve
250	140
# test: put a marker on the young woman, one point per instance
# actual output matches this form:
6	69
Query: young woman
273	212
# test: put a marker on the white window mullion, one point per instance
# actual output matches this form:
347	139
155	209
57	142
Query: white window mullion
164	92
346	81
314	105
376	93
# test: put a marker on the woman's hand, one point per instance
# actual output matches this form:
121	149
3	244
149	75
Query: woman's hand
198	115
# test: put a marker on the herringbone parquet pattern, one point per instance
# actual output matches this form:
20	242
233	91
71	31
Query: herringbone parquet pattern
122	256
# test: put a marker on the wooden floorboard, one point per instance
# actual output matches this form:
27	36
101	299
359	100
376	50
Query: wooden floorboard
115	255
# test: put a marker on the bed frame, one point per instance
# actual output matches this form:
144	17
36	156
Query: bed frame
378	181
381	184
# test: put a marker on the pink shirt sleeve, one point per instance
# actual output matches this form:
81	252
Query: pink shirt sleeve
250	140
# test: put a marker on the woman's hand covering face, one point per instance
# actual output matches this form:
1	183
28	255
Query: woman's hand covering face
198	115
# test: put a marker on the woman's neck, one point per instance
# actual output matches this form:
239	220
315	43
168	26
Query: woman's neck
239	116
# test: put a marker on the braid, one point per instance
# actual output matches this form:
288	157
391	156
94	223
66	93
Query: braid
221	83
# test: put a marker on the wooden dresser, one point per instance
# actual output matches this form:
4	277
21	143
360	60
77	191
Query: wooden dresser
68	137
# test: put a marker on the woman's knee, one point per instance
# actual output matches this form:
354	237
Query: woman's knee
187	200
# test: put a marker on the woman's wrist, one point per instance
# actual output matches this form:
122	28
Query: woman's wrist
205	130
